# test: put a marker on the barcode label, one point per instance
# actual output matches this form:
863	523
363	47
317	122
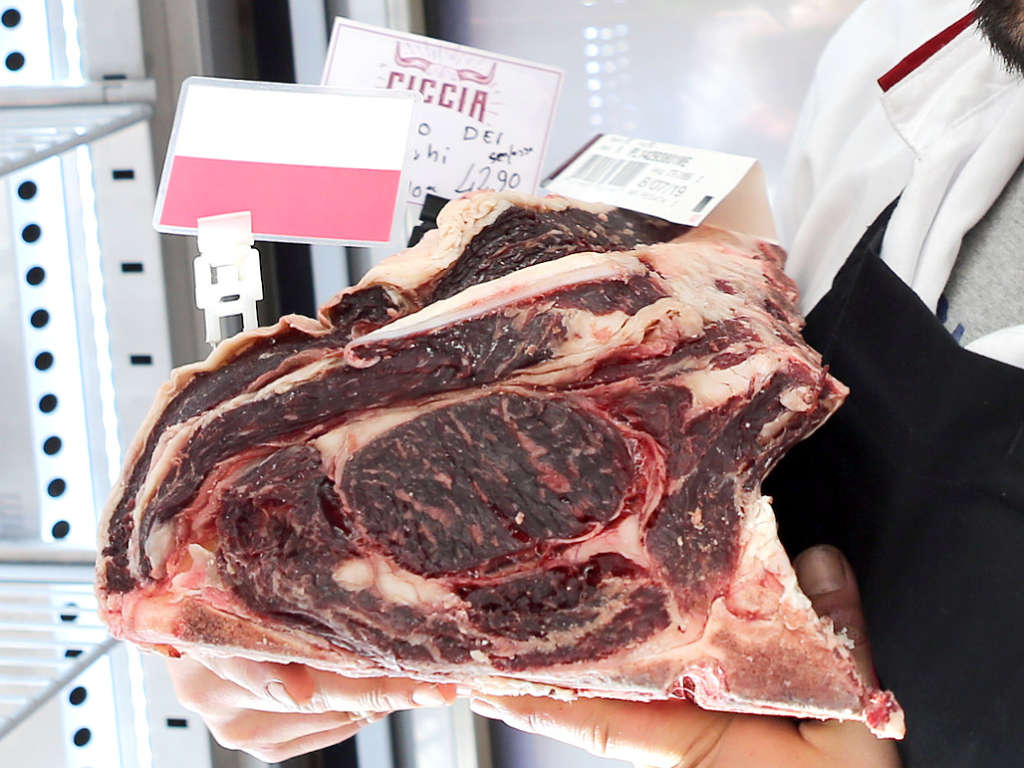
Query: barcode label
610	171
681	184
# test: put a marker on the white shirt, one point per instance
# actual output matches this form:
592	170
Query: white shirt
945	138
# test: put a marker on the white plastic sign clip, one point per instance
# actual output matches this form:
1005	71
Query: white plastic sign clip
227	271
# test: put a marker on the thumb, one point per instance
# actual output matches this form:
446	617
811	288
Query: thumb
660	734
827	579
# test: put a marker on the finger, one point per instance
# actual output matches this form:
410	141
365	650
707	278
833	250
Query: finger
277	753
681	735
296	687
268	682
376	694
827	579
775	742
203	691
659	734
247	728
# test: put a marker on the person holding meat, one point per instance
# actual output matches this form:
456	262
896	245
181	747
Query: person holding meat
902	209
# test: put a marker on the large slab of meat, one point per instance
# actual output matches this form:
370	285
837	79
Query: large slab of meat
524	456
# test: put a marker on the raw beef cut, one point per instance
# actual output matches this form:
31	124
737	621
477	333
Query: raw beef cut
524	456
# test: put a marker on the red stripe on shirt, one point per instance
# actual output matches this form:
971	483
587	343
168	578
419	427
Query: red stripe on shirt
920	55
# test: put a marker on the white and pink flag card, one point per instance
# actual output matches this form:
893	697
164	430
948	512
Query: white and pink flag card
311	163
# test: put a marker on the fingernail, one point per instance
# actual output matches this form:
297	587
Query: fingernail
429	696
820	571
277	691
483	707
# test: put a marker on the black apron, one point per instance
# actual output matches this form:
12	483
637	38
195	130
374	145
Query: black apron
919	479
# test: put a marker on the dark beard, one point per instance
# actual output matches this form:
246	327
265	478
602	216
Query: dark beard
1002	21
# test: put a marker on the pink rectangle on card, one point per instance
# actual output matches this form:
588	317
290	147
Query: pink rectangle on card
301	201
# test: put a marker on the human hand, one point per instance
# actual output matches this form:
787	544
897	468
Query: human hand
681	735
277	711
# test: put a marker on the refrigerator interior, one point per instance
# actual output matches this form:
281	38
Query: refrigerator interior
98	307
728	75
86	346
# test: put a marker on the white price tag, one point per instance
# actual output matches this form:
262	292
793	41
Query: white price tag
484	120
681	184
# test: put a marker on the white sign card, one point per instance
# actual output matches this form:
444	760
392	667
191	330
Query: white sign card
484	121
681	184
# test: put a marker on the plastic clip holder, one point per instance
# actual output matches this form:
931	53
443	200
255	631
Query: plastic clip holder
227	272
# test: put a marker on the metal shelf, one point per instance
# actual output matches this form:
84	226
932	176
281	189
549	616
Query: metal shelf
49	634
29	134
